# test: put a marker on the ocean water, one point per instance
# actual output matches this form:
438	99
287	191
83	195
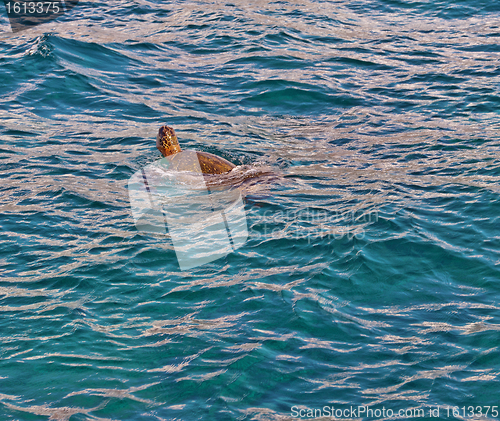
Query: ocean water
370	277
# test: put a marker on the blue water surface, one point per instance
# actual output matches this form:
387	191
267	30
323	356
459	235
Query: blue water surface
371	273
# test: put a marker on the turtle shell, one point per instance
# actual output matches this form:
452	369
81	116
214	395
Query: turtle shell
209	163
213	164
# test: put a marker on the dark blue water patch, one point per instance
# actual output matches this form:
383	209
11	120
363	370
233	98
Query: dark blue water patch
156	258
294	100
7	168
59	90
223	41
408	4
492	170
78	153
482	108
27	69
93	56
145	48
120	107
453	91
197	104
464	9
284	37
449	147
193	27
354	62
325	39
342	141
147	81
420	61
479	71
39	47
152	11
217	46
414	156
8	49
36	226
487	47
442	9
275	84
116	171
80	204
73	91
378	7
269	61
385	279
431	57
19	134
494	34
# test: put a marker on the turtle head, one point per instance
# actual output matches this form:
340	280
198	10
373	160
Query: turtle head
166	141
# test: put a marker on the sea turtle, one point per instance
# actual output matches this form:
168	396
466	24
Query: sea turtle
168	145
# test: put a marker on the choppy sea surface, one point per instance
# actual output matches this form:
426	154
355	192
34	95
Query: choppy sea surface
371	273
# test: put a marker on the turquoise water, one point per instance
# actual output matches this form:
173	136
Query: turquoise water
370	276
